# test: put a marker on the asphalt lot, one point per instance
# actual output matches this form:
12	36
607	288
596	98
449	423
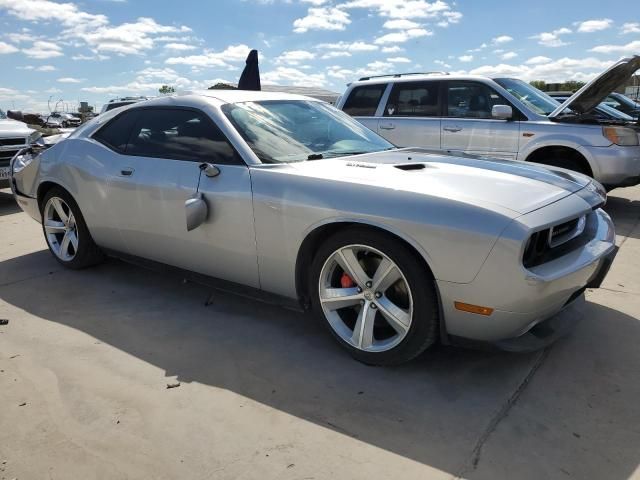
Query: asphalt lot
266	393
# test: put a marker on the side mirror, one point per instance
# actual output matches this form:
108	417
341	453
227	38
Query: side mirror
502	112
196	210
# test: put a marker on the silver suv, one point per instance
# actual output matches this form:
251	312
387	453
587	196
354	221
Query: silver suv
503	118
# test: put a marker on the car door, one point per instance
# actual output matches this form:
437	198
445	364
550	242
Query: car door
160	171
468	125
411	116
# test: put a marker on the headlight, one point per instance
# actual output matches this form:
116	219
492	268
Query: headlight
21	161
625	137
597	188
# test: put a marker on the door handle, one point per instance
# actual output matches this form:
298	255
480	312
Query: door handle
126	172
452	129
388	126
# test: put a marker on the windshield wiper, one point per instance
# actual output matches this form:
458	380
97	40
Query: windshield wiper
315	156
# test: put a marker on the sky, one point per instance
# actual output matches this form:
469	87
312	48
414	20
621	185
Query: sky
59	53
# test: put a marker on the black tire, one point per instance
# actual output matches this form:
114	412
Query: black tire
88	253
423	331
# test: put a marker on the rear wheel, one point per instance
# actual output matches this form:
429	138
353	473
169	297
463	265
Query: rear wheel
66	232
375	295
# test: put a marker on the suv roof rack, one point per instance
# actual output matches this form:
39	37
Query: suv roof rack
398	75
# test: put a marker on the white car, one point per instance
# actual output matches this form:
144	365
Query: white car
14	136
502	118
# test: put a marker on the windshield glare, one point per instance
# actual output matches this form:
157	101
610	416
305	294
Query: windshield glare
538	101
282	131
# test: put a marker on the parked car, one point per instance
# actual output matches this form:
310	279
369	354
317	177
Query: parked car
14	135
502	117
121	102
601	112
393	249
624	104
53	120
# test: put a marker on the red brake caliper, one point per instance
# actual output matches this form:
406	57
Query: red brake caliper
346	281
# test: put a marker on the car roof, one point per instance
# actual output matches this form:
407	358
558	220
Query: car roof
221	97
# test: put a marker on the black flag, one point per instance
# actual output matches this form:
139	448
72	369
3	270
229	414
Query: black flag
250	78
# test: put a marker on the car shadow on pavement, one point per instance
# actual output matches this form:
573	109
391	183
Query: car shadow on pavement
7	204
625	213
434	410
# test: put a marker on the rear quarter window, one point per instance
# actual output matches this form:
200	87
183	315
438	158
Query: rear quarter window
363	101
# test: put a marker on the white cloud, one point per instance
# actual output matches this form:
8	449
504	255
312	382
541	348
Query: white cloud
323	18
398	60
631	27
392	49
71	80
400	24
465	58
41	68
501	39
538	60
293	76
233	53
558	70
352	47
335	54
179	46
295	57
437	10
630	48
20	37
594	25
94	30
442	63
99	57
41	49
552	39
6	48
508	55
401	37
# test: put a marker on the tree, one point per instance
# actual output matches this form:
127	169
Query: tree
572	85
539	84
166	89
222	86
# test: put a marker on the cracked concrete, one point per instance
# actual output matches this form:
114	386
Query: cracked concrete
265	392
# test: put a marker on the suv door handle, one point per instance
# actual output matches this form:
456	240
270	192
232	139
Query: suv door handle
126	172
452	129
387	126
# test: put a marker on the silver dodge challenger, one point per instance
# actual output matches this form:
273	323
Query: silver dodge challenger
393	249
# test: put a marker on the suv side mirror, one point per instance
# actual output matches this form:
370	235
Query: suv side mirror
502	112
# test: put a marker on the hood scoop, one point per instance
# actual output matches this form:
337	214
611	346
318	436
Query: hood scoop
411	166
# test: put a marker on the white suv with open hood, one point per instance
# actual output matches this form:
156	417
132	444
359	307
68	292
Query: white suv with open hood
504	118
14	136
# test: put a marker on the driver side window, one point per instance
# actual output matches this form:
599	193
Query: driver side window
472	100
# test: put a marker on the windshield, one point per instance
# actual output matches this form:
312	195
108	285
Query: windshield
538	101
609	110
282	131
2	115
113	105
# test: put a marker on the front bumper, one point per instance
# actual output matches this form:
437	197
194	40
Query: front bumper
615	166
523	298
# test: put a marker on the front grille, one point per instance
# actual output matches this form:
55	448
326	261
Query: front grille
6	156
556	241
12	141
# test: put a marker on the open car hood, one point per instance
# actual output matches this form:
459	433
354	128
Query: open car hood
594	92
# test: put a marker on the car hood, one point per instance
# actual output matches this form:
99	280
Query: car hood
594	92
508	186
13	127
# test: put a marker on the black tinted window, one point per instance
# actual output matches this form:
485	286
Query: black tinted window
413	99
116	133
181	135
363	101
472	100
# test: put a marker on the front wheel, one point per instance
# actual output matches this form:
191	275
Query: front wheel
66	232
375	295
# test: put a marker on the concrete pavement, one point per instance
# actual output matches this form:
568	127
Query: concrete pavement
266	393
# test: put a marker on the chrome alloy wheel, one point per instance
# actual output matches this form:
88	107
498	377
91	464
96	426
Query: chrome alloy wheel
365	298
60	229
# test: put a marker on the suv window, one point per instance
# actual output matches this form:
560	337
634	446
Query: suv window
413	99
363	101
472	100
180	134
